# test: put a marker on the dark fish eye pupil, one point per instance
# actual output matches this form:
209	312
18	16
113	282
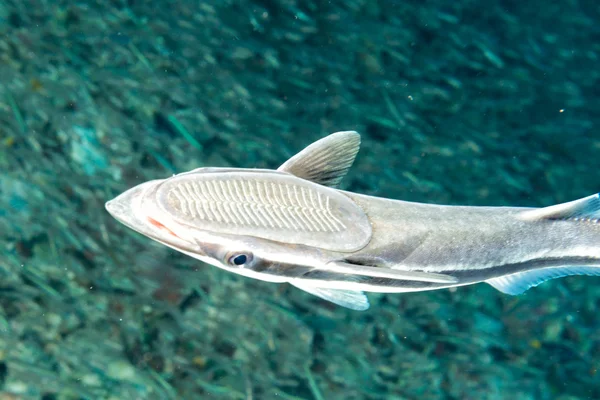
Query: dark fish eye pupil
240	259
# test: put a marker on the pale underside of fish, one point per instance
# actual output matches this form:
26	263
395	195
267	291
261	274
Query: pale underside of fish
294	225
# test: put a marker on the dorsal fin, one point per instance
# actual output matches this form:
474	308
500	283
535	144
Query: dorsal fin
587	208
326	161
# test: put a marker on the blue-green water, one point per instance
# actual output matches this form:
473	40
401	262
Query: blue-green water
477	103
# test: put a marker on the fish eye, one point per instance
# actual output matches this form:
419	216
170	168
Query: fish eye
239	259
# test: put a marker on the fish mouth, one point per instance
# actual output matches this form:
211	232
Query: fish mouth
129	208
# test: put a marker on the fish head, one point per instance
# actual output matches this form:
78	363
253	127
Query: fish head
263	224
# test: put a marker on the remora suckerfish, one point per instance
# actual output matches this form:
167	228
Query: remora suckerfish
293	225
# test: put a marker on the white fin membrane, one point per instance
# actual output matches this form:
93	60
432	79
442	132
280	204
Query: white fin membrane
341	267
351	299
518	283
587	208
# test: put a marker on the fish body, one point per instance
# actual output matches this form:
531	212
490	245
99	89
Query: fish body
294	225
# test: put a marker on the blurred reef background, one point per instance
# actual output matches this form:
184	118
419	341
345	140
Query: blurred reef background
465	102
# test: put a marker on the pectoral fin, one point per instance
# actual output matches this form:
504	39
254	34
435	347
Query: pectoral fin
351	299
341	267
326	161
